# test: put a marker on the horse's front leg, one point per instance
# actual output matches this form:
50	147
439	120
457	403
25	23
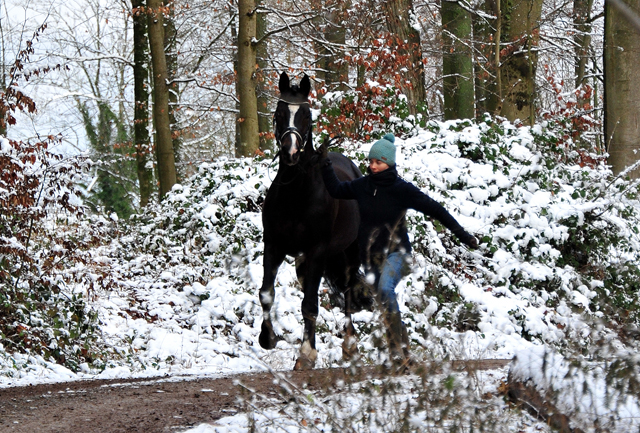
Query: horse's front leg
314	268
271	262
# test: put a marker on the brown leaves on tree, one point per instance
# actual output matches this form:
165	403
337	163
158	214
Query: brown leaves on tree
373	102
36	188
12	99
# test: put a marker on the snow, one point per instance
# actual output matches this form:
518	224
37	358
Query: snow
185	300
584	391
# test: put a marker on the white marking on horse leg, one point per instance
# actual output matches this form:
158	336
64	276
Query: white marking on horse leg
266	298
308	352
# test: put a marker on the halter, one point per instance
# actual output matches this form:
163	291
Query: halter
292	129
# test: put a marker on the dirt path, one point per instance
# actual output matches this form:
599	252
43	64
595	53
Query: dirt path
157	405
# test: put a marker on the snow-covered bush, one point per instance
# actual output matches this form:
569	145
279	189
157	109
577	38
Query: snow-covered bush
555	231
41	312
559	237
595	396
211	223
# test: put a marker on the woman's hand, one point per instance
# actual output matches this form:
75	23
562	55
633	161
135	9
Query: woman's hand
467	239
472	242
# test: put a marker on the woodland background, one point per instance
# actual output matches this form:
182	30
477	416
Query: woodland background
136	149
151	89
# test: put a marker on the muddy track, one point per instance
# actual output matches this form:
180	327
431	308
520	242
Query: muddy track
161	404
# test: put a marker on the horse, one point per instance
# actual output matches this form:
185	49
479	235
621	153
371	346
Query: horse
300	219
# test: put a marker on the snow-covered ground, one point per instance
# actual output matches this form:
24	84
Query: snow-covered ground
182	298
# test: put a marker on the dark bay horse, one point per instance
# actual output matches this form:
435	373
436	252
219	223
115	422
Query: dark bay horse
301	219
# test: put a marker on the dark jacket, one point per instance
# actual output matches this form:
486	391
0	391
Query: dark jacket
383	199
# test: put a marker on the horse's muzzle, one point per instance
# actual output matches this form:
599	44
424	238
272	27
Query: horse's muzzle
290	159
291	149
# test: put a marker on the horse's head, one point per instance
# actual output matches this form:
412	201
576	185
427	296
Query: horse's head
292	120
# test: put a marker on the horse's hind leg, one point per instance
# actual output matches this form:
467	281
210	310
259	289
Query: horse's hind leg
353	303
271	262
350	342
341	276
313	269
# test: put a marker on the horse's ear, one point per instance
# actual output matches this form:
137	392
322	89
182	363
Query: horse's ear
305	85
283	85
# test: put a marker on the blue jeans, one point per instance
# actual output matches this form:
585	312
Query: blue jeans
387	276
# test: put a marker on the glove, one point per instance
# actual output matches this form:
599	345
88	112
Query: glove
320	155
468	239
472	242
323	150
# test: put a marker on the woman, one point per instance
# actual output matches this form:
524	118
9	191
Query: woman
383	199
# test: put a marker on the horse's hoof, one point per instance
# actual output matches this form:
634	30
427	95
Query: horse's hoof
307	358
267	338
304	363
349	348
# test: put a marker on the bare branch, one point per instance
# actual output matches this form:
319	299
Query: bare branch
281	29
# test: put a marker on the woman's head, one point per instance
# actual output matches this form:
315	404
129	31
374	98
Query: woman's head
382	154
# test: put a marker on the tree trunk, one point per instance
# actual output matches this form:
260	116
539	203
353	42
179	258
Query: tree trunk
264	113
3	114
457	67
336	35
332	69
520	21
233	28
171	54
141	137
621	92
248	120
161	119
320	47
486	32
398	15
582	38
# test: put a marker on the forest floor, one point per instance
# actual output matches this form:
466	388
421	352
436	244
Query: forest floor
164	404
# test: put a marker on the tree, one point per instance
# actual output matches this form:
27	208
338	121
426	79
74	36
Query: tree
399	17
487	33
520	35
457	66
375	39
95	80
161	118
331	68
108	137
171	54
141	140
622	94
582	37
262	79
248	117
36	188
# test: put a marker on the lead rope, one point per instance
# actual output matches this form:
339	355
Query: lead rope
272	165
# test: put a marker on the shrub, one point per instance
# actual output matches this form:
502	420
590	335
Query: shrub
39	314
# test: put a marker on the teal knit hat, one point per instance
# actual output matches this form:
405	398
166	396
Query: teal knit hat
384	150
